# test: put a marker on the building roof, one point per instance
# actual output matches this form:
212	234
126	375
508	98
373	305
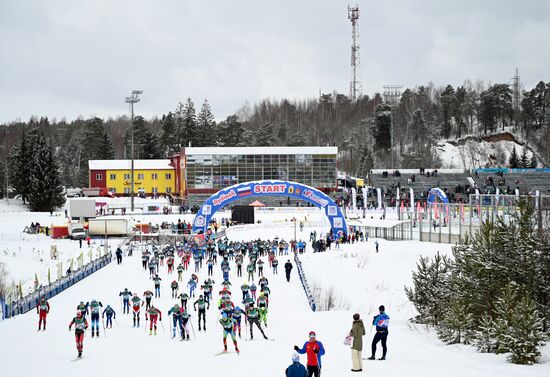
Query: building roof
127	164
258	150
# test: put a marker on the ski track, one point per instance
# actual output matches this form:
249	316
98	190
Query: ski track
413	351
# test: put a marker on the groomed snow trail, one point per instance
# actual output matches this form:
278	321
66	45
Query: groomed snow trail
413	351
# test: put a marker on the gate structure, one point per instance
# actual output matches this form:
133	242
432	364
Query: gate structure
294	190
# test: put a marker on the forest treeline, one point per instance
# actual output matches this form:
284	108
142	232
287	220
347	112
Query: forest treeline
422	117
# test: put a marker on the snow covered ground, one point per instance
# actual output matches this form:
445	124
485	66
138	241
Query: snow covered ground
26	254
362	279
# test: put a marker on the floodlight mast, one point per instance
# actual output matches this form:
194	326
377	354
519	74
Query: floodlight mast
134	98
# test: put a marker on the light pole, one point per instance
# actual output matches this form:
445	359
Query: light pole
391	98
134	98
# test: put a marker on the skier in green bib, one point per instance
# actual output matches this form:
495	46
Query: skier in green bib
80	325
228	325
180	272
252	315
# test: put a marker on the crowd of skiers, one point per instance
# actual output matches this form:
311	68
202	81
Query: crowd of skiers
250	307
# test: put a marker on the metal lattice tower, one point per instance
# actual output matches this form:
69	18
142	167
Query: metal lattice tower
516	91
355	84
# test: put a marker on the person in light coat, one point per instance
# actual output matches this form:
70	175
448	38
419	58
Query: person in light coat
357	331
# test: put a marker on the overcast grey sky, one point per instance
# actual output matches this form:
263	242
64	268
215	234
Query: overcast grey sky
82	57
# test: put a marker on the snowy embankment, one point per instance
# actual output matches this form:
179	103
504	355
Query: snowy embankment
361	279
28	254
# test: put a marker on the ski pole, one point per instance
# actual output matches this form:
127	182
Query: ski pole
103	324
145	329
116	322
162	325
192	329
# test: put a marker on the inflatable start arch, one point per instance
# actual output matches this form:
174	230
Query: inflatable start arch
437	192
270	188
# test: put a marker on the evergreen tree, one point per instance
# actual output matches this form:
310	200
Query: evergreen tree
533	163
264	135
524	160
485	335
457	324
106	151
150	148
231	132
382	127
18	168
206	124
504	313
514	160
3	173
431	293
169	139
297	139
187	124
448	103
366	163
70	161
46	192
525	338
97	144
282	133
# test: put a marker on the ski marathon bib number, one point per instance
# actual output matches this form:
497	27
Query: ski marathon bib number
80	326
383	322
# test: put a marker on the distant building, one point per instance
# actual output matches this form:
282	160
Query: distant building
150	176
205	170
197	172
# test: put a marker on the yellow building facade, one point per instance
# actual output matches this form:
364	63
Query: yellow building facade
150	176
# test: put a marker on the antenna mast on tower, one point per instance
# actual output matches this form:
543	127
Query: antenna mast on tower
355	84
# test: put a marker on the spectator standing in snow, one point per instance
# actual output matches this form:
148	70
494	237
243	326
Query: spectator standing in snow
296	369
288	269
381	322
357	331
118	255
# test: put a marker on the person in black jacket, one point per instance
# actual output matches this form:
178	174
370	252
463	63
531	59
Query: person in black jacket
288	269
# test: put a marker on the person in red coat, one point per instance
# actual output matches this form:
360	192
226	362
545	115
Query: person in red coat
42	309
314	350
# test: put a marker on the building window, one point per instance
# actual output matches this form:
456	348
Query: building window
168	190
112	190
154	176
99	177
141	176
126	176
112	177
127	190
168	176
155	190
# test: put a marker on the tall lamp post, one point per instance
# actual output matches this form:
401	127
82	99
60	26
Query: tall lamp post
134	98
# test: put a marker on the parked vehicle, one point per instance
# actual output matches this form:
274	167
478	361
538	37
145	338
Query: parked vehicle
97	191
77	234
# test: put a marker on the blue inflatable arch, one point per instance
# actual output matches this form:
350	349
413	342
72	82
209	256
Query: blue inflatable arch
270	188
437	192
